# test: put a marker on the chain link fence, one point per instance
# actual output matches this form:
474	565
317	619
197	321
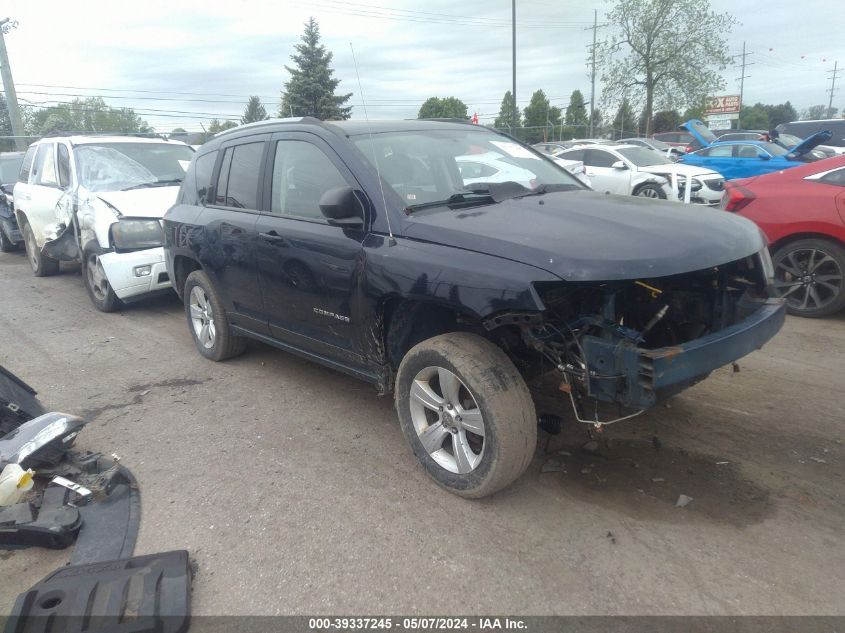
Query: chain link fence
546	133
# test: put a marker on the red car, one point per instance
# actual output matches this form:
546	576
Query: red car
802	212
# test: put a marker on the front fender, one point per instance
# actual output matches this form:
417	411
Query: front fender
473	283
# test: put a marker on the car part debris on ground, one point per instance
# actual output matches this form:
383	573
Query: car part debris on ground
90	499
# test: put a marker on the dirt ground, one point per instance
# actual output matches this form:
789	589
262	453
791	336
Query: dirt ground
295	493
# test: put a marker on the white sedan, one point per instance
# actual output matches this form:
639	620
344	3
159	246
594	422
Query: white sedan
629	169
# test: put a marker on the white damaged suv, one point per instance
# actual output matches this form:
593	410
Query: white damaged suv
99	200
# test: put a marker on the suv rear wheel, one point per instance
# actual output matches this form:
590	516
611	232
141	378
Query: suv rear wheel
466	412
42	265
207	319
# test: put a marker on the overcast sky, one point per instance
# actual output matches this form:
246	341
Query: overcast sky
146	53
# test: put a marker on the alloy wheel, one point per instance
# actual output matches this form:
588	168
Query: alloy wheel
808	278
648	192
202	317
447	419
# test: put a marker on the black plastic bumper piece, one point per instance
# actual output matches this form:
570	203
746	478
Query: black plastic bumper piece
145	594
636	377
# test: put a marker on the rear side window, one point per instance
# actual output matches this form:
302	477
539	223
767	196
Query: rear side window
26	166
577	154
718	151
203	168
302	173
44	171
237	184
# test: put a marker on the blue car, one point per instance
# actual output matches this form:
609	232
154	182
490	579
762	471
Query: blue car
742	159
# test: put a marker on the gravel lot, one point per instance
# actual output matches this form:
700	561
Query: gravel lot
293	489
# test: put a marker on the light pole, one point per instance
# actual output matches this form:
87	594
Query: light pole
513	61
7	25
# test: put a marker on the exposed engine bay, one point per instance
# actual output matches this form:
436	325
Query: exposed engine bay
631	343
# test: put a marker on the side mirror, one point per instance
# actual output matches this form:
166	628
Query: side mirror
341	207
619	165
763	156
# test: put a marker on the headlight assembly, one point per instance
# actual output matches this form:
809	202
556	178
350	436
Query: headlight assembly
132	234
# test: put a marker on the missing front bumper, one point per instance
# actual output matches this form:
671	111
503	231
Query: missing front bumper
637	378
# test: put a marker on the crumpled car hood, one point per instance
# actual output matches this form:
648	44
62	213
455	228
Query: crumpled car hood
589	236
142	203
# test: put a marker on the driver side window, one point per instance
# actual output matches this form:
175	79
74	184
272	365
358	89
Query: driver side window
302	173
599	158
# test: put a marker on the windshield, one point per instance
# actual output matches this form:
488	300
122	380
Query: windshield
119	166
775	150
426	166
643	157
789	140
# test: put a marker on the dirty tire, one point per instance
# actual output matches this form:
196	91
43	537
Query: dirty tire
99	291
224	344
650	191
824	261
501	396
6	245
42	265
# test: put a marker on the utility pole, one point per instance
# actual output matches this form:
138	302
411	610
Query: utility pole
593	72
742	78
833	76
513	61
7	25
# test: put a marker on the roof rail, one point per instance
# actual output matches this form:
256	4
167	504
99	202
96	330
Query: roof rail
271	121
445	120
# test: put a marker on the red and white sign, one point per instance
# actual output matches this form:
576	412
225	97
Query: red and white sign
727	104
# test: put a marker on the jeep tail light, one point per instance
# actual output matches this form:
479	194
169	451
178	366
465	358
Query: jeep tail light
736	198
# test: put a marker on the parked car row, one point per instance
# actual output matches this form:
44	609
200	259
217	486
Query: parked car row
99	201
744	158
391	252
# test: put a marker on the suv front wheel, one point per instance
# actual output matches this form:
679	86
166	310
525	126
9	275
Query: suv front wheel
97	284
207	319
466	412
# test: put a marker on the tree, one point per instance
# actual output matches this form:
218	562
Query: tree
505	119
694	112
311	88
781	113
666	121
254	111
6	144
216	126
624	123
576	111
818	112
446	108
598	119
88	115
754	118
665	52
537	116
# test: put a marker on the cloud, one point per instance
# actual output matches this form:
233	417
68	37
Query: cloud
241	48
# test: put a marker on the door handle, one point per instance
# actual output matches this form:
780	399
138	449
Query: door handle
271	236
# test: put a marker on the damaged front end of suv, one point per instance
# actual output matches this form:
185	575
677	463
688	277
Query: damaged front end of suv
619	347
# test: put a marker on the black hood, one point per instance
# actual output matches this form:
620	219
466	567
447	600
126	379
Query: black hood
589	236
